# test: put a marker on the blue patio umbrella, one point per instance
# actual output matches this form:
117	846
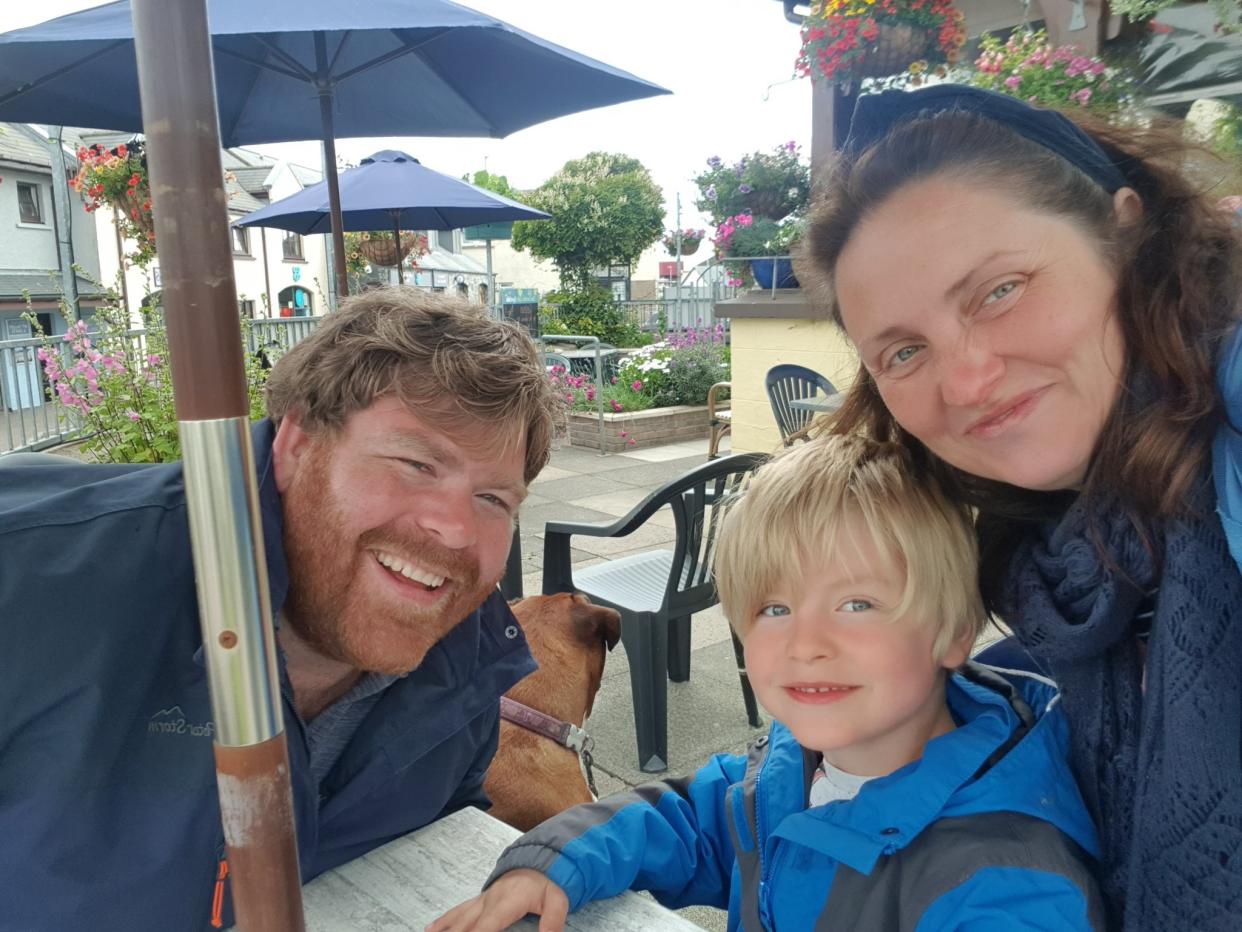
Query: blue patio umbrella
392	191
303	69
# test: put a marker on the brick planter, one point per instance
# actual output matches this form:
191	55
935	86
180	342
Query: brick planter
652	428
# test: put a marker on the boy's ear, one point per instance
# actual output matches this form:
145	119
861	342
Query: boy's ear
958	652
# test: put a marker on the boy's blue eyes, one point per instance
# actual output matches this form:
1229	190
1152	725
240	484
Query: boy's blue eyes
856	605
777	610
774	610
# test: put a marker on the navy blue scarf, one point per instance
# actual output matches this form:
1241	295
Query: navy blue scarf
1161	767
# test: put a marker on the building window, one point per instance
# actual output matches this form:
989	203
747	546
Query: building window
241	241
246	308
293	246
446	240
29	203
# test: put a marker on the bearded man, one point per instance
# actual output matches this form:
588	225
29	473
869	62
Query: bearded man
402	435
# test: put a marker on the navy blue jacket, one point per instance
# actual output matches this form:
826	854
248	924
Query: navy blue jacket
109	816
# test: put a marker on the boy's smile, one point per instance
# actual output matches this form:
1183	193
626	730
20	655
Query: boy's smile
828	658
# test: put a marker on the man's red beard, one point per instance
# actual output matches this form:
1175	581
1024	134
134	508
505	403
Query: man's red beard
330	605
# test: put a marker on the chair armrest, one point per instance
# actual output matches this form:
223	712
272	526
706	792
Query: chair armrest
711	398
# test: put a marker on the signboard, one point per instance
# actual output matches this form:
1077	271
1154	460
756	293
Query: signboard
519	295
668	270
489	231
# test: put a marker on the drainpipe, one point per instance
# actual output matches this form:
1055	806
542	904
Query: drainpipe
62	223
267	277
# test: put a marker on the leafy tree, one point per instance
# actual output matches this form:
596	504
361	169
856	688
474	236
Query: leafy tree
605	211
497	184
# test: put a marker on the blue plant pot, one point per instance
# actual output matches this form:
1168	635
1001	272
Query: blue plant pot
763	271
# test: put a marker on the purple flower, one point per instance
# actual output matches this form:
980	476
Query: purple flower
739	168
714	162
745	188
710	193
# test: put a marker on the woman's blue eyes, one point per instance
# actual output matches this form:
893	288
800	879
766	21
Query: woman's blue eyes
905	354
1000	291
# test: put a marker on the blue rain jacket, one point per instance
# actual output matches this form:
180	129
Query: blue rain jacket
1227	445
109	816
986	831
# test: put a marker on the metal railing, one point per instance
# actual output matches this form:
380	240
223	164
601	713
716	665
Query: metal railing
32	419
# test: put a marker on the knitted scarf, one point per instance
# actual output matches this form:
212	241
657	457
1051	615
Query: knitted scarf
1158	756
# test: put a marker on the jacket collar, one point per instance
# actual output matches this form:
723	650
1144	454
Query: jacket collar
890	812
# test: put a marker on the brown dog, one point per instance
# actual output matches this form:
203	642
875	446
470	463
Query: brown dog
532	778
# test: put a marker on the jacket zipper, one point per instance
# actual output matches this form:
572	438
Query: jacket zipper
217	898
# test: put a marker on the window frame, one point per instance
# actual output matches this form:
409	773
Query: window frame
244	233
37	197
291	237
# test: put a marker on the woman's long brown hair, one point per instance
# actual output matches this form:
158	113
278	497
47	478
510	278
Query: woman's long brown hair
1179	285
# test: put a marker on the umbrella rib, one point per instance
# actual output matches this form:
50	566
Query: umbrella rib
27	88
288	59
339	49
259	63
407	48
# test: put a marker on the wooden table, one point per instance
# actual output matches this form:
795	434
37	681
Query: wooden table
411	881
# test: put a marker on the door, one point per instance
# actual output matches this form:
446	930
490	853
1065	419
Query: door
20	365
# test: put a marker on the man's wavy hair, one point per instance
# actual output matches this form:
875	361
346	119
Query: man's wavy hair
442	357
1179	273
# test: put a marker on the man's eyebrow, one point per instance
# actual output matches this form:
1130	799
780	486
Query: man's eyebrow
426	445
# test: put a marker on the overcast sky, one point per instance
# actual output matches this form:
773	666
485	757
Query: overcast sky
729	64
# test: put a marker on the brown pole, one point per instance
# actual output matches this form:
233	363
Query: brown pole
329	145
176	81
396	241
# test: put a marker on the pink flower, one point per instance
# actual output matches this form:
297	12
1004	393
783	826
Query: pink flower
1013	81
154	359
616	405
133	415
632	442
637	385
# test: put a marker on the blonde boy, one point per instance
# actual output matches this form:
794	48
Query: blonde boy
900	787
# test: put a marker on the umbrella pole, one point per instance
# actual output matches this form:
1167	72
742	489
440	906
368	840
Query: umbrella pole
200	298
396	241
329	145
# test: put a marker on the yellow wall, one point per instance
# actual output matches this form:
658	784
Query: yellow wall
761	343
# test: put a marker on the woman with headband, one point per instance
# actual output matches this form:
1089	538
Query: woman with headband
1045	315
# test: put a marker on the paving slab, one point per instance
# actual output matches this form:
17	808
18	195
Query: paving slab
620	501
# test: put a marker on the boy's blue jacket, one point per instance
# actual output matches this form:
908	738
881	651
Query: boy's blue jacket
109	815
986	832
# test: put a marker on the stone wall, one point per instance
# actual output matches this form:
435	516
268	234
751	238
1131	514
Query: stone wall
651	428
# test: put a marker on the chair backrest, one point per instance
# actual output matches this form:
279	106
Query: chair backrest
556	359
788	382
698	500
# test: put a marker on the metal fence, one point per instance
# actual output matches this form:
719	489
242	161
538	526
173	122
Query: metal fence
32	419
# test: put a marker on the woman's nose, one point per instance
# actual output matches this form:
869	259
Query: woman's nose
969	374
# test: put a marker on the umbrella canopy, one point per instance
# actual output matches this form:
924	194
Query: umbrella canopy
393	67
302	69
391	189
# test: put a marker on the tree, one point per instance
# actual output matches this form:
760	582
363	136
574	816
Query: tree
497	184
605	211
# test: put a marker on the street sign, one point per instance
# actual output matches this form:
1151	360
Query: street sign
489	231
519	295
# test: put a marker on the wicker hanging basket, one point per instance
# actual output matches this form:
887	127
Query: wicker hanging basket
689	246
381	250
895	48
770	204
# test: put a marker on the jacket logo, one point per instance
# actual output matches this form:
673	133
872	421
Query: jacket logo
173	722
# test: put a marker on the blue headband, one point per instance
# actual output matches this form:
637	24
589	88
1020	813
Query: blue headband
876	114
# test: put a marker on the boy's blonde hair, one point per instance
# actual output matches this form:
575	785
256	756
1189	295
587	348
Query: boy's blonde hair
790	518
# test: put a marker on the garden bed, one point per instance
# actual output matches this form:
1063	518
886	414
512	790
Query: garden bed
651	428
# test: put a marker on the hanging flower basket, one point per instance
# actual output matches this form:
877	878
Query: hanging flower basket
896	46
690	240
380	249
771	204
137	207
844	41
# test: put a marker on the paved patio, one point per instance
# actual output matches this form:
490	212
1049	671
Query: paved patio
706	715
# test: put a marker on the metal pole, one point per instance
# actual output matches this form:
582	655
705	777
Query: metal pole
62	221
324	85
492	300
173	49
678	244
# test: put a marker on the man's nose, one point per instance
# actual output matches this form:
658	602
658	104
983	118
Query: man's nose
450	516
969	373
